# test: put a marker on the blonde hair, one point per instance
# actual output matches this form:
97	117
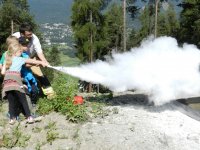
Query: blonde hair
13	46
11	39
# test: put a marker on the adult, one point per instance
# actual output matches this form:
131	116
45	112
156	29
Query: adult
35	51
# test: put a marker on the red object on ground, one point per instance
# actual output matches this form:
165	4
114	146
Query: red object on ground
78	100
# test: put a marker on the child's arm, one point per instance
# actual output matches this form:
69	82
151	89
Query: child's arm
36	62
1	66
2	60
3	70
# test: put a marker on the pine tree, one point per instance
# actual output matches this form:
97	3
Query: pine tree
167	20
190	22
87	24
53	57
16	11
114	23
172	21
88	27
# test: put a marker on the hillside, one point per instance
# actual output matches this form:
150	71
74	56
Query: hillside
129	123
51	11
54	18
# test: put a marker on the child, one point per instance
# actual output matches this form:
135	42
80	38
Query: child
9	40
12	40
12	85
27	75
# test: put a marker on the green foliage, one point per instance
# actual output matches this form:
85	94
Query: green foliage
16	11
65	88
51	134
97	103
146	19
168	24
1	106
114	23
36	130
87	24
53	57
15	139
190	22
69	61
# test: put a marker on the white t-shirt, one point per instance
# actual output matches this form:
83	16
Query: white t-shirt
34	47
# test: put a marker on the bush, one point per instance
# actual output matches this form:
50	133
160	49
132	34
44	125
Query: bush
66	88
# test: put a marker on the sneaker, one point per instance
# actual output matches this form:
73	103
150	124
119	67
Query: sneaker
33	105
51	96
8	115
12	121
48	90
38	119
30	120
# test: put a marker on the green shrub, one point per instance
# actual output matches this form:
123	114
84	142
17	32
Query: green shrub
66	88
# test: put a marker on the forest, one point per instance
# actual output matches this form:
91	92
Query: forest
100	26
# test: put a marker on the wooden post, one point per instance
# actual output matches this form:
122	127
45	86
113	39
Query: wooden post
12	27
91	51
124	24
156	17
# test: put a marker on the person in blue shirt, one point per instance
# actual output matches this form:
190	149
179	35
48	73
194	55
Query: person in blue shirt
13	87
27	75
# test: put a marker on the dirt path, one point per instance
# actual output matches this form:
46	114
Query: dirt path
130	124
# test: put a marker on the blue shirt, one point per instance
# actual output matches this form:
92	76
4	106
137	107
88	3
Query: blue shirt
17	63
2	58
27	75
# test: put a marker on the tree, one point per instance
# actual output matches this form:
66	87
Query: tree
157	9
167	24
128	5
16	11
53	57
172	21
190	22
87	22
114	27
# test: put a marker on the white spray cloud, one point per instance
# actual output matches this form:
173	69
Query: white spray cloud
159	68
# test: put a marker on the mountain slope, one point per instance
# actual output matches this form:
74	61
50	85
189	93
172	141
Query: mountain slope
51	11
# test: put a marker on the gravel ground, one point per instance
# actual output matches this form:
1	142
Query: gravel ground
131	124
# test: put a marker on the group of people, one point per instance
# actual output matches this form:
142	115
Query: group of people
20	66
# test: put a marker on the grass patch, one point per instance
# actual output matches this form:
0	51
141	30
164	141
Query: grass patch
51	133
14	139
1	106
96	104
69	61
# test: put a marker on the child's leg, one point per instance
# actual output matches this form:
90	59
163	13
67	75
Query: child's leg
22	99
12	104
34	94
40	76
21	108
